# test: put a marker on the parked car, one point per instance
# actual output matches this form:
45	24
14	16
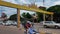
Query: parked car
1	23
8	24
14	23
51	24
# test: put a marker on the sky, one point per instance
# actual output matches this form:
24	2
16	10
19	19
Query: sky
11	11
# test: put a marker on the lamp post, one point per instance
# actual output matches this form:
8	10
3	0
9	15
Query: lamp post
43	14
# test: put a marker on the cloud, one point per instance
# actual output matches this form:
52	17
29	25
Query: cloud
39	4
47	3
18	1
22	11
12	1
57	3
25	1
10	11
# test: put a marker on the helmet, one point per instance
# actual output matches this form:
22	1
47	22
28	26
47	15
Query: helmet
29	22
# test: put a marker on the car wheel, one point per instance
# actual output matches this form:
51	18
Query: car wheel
56	27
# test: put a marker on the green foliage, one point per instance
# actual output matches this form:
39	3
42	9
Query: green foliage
13	17
43	8
55	9
40	15
26	16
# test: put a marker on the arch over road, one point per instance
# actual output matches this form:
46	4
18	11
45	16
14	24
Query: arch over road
19	7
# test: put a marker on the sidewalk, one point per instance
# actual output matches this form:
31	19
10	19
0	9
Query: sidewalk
10	30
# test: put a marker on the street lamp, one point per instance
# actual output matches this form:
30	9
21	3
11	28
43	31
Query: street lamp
43	14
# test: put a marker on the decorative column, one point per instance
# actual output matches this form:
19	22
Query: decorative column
44	17
18	18
51	17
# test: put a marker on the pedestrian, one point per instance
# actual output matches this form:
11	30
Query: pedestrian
32	31
4	17
29	28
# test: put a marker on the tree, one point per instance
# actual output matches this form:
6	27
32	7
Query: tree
42	8
26	16
40	15
4	17
13	17
56	10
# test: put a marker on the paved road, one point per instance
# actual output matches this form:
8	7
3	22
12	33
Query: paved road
10	30
40	28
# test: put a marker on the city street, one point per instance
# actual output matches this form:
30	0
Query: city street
10	30
21	16
15	30
40	28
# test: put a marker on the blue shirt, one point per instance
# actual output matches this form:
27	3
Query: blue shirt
31	31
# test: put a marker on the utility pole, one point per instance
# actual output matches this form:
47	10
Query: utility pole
44	14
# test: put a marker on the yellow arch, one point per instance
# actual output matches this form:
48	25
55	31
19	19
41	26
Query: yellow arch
7	4
18	7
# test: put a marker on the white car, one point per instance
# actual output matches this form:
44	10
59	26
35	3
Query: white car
14	24
51	24
1	23
8	23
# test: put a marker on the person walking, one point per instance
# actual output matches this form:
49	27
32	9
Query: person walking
4	17
30	29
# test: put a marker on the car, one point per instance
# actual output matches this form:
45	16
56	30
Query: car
1	23
8	23
14	23
51	24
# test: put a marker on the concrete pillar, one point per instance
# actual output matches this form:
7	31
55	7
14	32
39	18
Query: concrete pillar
44	17
18	18
51	17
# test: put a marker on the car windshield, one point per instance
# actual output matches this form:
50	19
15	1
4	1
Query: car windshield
48	22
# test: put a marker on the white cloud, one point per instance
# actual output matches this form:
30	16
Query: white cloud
48	3
18	1
12	1
24	1
21	11
54	3
39	4
57	3
9	11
